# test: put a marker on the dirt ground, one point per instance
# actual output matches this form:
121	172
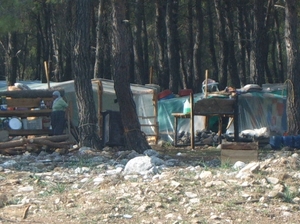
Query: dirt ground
177	195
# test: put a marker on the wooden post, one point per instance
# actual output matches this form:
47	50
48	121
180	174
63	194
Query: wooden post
156	127
206	82
47	74
192	120
205	96
220	129
151	75
236	119
99	110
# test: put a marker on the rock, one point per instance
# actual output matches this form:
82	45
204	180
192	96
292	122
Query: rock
239	165
272	180
142	165
205	174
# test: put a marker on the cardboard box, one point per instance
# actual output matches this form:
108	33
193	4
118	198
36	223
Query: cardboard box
239	151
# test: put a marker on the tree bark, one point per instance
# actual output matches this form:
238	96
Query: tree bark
88	121
211	42
160	37
241	61
135	139
98	39
223	43
173	44
293	62
12	59
232	65
198	75
139	69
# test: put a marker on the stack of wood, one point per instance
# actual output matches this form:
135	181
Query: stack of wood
33	144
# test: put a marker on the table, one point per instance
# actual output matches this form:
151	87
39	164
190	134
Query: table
214	107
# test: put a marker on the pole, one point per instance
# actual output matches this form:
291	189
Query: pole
47	74
206	82
192	120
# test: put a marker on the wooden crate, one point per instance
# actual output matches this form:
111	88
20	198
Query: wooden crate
232	152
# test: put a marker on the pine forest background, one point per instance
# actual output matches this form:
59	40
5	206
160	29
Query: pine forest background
173	42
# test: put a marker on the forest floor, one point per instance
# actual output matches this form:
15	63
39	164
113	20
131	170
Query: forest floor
189	192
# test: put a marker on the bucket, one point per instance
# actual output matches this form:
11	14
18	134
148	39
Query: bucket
288	141
296	141
276	142
15	123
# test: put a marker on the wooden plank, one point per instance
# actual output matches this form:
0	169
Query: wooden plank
27	102
25	113
239	146
181	115
232	156
29	132
36	93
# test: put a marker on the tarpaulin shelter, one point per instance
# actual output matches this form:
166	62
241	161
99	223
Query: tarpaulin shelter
257	109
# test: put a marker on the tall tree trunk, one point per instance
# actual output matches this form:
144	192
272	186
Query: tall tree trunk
293	69
145	45
39	37
135	139
68	54
160	37
198	77
98	39
211	42
257	71
106	42
88	129
173	44
279	61
242	44
188	80
233	70
54	57
45	33
139	69
11	59
269	18
223	43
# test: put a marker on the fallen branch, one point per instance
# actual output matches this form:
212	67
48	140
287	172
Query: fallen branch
54	138
26	212
13	151
11	144
49	143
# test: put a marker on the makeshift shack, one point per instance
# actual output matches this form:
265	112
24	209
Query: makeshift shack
257	108
145	98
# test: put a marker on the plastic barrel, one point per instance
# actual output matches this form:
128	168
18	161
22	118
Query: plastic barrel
297	141
276	142
288	141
